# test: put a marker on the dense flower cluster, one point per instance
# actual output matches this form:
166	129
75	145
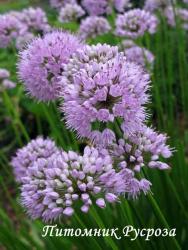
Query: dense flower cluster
93	26
36	149
35	19
140	56
153	5
103	92
70	12
5	82
96	8
134	23
122	5
51	185
41	62
10	29
143	149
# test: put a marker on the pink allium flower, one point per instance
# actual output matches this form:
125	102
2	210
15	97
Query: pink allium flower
4	74
144	149
93	26
35	19
97	8
10	28
52	186
40	64
35	149
140	56
70	12
8	84
121	5
134	23
101	93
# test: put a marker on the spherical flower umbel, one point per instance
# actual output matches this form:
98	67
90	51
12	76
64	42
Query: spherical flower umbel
102	93
10	28
134	23
40	64
140	56
144	149
53	186
35	19
35	149
97	8
93	26
4	73
121	5
70	12
86	56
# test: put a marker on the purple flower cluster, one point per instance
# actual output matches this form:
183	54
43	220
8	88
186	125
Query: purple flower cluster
40	64
22	26
93	26
140	56
144	149
53	180
5	82
121	5
10	29
101	93
70	12
134	23
35	19
97	8
35	150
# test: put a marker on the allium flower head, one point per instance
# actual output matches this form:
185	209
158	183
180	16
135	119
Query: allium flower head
153	5
140	56
144	149
60	3
121	5
134	23
35	19
4	74
89	55
97	8
102	93
10	28
93	26
8	84
41	63
70	12
35	149
52	187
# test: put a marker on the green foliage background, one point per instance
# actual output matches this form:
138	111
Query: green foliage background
22	119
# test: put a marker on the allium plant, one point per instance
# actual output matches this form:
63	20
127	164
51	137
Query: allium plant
97	8
52	186
35	19
5	82
121	5
140	56
40	64
101	93
134	23
93	26
36	149
10	28
70	12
